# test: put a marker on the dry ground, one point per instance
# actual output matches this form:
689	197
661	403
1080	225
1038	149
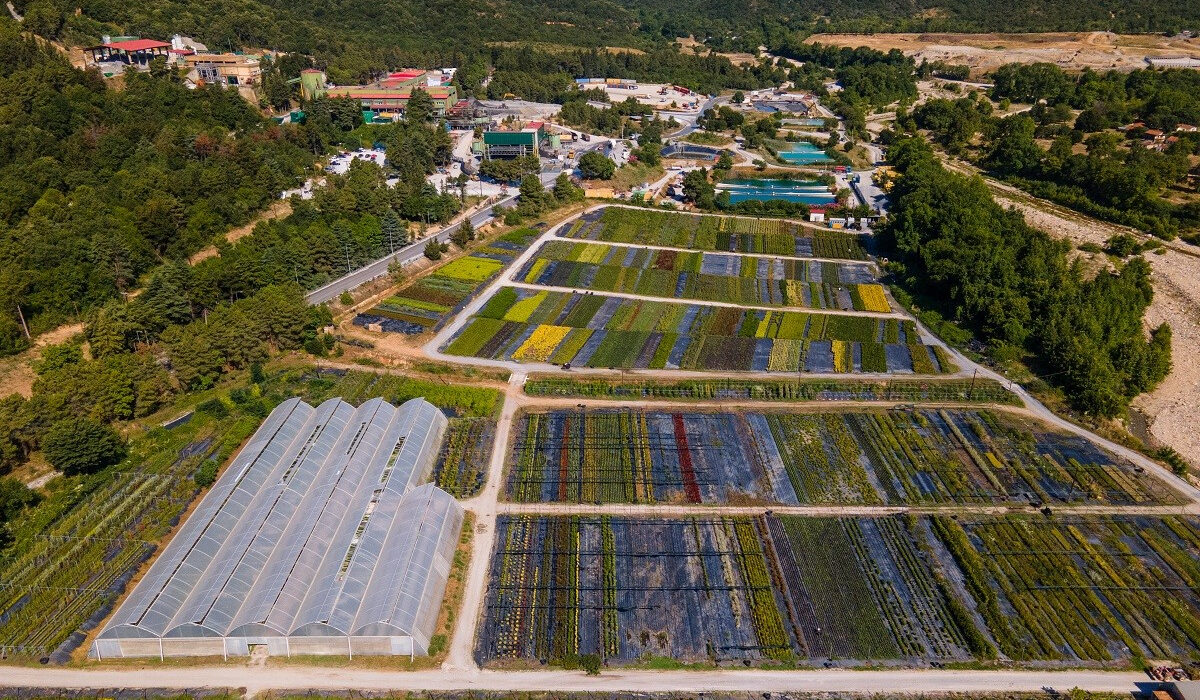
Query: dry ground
985	52
16	372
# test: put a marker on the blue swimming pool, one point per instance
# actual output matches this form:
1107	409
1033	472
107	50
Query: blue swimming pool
804	153
805	191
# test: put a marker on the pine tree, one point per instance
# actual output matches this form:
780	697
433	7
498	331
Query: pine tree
394	233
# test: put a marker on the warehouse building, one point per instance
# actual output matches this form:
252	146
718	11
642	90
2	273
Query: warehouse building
225	68
317	539
511	143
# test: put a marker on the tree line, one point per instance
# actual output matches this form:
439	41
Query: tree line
99	186
1014	288
1075	145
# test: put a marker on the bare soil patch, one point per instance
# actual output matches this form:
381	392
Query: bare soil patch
278	210
985	52
16	372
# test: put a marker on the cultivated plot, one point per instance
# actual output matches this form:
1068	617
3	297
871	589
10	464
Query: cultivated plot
898	589
721	277
791	458
716	233
593	330
1087	589
722	590
426	303
466	452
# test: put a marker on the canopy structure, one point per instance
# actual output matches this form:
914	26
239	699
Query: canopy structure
133	51
317	539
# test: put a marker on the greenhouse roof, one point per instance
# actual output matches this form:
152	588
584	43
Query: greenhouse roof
318	527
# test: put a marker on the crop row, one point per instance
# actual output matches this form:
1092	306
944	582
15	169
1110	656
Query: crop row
1083	589
599	331
427	302
852	457
808	389
463	462
716	233
706	277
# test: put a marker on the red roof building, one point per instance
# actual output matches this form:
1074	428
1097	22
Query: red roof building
132	51
138	45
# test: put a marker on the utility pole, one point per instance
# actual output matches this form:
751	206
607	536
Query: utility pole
971	391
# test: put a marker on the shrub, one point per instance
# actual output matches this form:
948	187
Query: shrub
1178	464
345	299
82	446
205	475
213	407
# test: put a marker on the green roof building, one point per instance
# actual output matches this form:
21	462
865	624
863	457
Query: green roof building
514	143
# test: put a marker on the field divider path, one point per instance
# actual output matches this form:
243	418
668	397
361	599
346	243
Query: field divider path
461	657
700	302
670	510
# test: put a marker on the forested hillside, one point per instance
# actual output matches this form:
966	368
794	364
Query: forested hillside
359	34
1101	161
97	186
1013	287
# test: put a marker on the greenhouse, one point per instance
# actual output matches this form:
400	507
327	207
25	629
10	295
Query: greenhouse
319	538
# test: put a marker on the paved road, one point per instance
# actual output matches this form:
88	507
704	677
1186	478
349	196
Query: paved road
408	253
303	678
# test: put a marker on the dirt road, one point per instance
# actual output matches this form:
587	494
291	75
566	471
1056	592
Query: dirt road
300	678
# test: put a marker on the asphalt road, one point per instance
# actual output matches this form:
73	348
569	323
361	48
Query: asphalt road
406	254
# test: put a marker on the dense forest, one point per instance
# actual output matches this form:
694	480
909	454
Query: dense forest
97	186
357	36
984	268
1072	146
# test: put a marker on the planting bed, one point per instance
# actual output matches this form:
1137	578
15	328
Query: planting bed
592	330
722	277
723	590
851	457
428	301
1083	589
718	233
809	389
466	451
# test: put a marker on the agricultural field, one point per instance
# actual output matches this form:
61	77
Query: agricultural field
427	302
715	233
720	277
846	457
466	452
73	556
764	590
808	389
75	552
593	330
1083	589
